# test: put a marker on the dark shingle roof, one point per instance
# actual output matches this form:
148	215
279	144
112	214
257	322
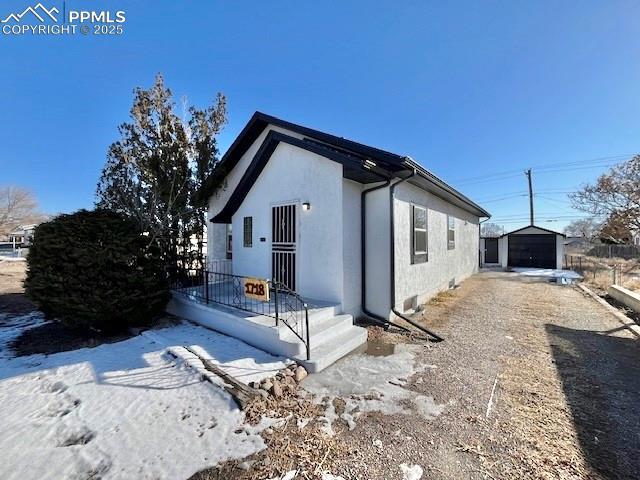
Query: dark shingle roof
353	155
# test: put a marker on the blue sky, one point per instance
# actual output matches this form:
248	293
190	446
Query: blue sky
468	89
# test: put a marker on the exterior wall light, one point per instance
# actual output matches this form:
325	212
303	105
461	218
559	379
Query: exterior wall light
306	206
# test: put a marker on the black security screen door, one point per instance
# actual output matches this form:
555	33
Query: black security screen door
283	244
537	251
490	250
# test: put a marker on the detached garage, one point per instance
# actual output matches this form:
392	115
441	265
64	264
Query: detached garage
528	247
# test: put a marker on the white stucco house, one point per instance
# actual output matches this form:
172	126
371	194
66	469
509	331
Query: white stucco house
366	231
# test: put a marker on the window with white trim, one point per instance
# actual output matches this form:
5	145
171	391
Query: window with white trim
451	232
418	234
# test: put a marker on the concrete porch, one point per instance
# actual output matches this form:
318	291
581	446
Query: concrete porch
332	334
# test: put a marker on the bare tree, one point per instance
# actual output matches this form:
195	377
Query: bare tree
616	230
615	195
491	230
18	206
587	228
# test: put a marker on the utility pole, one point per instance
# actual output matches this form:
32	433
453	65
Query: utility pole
528	174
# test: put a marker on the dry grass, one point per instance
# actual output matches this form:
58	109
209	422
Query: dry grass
443	297
290	446
633	284
12	274
12	298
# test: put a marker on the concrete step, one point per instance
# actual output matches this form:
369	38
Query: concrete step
327	353
325	312
320	331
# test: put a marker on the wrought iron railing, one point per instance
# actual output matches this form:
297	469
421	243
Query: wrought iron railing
284	305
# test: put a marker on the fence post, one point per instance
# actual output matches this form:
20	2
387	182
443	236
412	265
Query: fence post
206	286
275	299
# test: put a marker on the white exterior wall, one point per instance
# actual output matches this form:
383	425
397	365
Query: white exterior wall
503	251
217	241
559	252
294	175
351	235
423	280
377	251
218	200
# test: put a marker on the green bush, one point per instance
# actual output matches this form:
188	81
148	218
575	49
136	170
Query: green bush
94	270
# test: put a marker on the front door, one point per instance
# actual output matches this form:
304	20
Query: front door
490	250
283	244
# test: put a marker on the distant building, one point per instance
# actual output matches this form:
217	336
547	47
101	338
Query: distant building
22	236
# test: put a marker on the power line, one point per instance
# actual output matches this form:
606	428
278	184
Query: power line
579	164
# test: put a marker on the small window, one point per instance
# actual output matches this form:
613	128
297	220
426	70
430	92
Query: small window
418	234
229	242
248	231
451	232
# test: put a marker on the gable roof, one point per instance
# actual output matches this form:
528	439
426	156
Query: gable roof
533	226
362	163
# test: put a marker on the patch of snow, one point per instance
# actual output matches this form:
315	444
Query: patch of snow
547	272
302	422
411	472
290	475
123	410
329	476
4	258
12	327
370	383
427	407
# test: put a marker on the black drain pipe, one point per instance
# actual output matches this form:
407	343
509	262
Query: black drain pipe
392	257
363	249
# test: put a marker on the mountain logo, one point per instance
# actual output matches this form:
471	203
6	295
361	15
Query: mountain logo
39	11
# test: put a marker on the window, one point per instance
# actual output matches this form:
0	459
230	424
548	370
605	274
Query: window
418	234
451	232
248	231
229	242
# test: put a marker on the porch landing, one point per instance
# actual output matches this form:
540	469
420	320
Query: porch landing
332	335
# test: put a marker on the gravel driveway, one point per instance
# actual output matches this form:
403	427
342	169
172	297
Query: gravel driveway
563	373
567	390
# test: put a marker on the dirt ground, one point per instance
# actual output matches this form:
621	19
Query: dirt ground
564	406
46	339
12	299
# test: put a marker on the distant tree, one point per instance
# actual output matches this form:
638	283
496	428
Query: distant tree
588	228
18	206
156	171
614	196
615	230
491	230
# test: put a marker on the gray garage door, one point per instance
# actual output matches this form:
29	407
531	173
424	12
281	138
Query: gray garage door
537	251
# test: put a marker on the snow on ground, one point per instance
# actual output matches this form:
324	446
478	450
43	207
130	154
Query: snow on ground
370	383
547	272
5	258
123	410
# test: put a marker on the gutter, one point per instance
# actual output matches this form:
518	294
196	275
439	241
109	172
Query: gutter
392	257
427	175
363	249
480	238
